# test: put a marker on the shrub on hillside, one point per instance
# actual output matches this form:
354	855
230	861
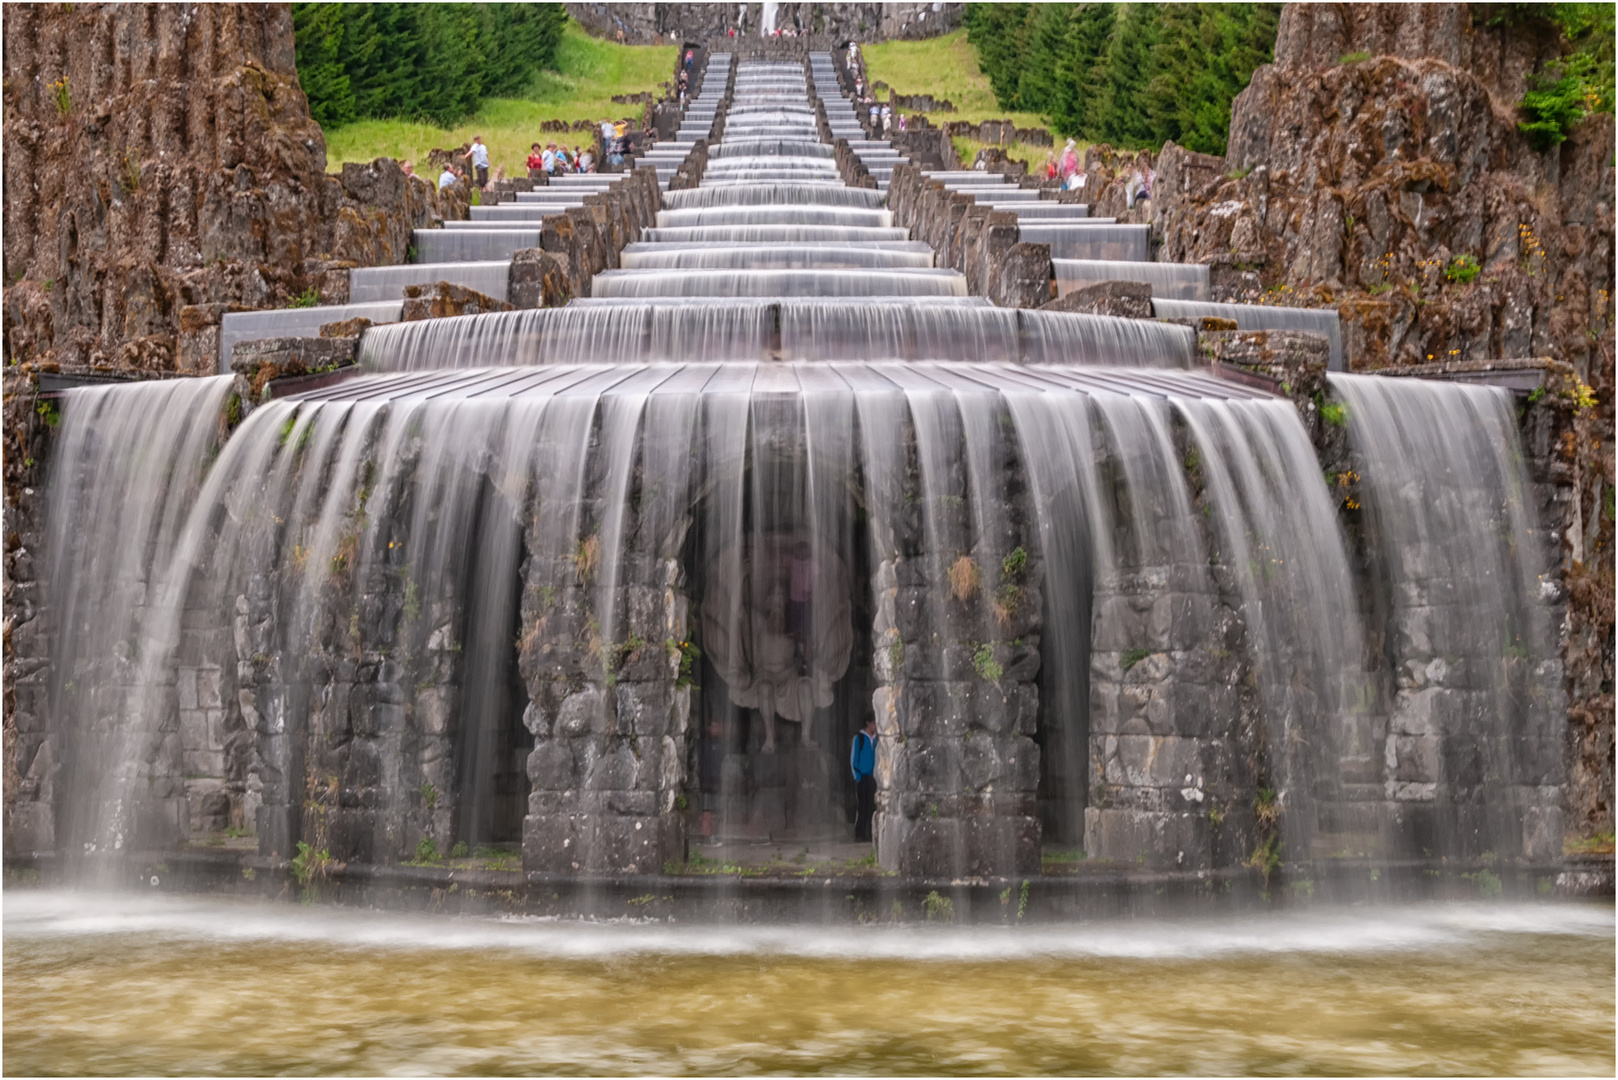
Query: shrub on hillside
435	62
1129	74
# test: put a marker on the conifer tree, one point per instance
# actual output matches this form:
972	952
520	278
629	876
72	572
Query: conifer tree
320	63
1120	116
997	31
1045	36
1086	68
1130	74
430	61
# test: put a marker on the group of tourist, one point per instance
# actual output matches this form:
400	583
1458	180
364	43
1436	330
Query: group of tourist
883	118
1070	170
558	160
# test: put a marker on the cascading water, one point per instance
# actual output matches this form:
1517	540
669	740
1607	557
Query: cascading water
618	581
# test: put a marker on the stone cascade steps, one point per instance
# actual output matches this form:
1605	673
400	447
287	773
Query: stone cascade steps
772	228
497	231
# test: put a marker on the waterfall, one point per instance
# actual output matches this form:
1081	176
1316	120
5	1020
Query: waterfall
616	582
1474	749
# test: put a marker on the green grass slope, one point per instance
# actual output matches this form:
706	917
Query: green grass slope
588	73
947	67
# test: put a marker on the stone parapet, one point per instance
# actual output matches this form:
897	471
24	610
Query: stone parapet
956	656
1125	299
980	242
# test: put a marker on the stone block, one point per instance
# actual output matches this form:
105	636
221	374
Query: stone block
1542	833
204	762
30	828
644	709
1178	840
588	711
614	768
1413	758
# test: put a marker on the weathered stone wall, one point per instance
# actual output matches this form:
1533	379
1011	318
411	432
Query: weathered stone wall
980	242
956	644
581	242
607	709
28	775
160	157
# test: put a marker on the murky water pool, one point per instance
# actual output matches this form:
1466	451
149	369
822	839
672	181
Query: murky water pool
120	984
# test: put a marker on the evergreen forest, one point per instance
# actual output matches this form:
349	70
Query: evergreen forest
1132	75
434	62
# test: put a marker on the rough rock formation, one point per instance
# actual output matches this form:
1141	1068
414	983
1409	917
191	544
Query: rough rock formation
1361	184
1376	167
159	157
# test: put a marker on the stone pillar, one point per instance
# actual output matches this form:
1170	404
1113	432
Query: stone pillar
609	717
956	639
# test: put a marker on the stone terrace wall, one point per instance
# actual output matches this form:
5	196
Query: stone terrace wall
980	242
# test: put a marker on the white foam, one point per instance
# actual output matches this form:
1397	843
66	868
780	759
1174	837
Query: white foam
48	914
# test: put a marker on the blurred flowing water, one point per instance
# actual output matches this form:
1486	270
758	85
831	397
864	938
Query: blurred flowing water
149	984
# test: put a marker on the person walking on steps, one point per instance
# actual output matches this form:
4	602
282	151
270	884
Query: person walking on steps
862	759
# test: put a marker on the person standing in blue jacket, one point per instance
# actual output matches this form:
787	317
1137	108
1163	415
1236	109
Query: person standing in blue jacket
862	759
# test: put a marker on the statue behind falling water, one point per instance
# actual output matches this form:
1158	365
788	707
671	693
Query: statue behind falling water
779	632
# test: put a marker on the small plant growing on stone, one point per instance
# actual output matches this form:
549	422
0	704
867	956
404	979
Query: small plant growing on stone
587	558
1562	97
896	655
987	667
687	653
1132	657
459	850
1022	899
1266	808
1006	599
310	864
1266	857
1462	269
310	297
49	413
1334	413
62	95
939	908
429	794
426	851
963	578
129	172
1489	884
1015	562
1353	57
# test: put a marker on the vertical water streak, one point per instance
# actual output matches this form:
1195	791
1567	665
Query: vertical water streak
128	464
1473	749
1075	537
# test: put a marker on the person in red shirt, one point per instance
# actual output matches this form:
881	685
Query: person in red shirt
536	160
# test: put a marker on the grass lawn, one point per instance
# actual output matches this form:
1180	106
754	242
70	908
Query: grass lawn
588	73
945	67
1033	156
